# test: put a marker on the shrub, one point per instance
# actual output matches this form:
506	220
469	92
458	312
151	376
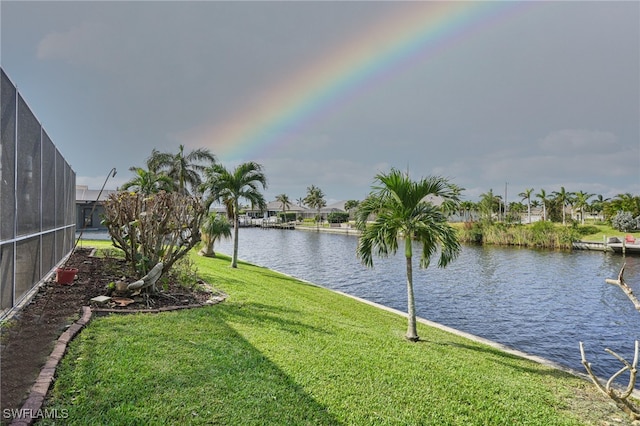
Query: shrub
160	227
471	233
338	217
287	217
625	222
587	230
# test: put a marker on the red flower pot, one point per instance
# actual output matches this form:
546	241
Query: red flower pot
66	275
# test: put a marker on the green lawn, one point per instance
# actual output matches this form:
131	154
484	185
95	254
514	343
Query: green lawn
607	231
282	352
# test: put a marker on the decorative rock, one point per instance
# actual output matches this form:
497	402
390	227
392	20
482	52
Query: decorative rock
101	299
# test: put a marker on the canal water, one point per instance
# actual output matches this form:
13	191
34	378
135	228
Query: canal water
540	302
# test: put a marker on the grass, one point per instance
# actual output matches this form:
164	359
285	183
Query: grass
539	234
606	231
280	351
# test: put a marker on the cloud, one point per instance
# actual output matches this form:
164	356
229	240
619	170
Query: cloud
572	140
81	44
339	178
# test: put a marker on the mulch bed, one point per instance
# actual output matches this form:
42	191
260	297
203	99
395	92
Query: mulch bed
28	338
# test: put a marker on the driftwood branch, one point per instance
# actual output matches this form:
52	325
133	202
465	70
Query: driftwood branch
625	287
148	280
620	397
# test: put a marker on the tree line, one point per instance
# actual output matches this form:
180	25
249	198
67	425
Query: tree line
554	205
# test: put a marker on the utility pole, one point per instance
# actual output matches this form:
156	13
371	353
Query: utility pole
505	201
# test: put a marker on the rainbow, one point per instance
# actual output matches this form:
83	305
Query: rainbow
416	33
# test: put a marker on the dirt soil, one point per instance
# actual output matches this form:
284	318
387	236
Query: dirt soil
27	339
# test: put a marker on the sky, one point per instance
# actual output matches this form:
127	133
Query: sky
500	96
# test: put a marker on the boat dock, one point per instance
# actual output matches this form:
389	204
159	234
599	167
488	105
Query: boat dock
612	244
266	224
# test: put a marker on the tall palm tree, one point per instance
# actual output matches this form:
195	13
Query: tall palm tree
467	207
185	170
582	202
564	199
542	195
148	182
315	200
283	199
489	203
526	195
229	186
448	206
213	227
401	211
597	205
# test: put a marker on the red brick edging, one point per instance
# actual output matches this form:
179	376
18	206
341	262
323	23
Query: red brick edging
33	404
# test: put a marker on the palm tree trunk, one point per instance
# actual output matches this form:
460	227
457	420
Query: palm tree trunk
207	248
236	226
412	333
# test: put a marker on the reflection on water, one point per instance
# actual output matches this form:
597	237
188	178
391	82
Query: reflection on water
540	302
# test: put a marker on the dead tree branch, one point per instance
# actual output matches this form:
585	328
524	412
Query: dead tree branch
625	287
620	397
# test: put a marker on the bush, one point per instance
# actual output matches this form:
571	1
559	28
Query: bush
541	234
587	230
471	233
338	217
287	217
161	227
625	222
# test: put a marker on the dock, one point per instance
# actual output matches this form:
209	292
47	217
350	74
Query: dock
590	245
270	225
612	244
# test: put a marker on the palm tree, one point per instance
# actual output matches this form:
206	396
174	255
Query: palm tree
230	186
448	206
582	202
283	199
543	199
624	202
148	182
489	203
526	195
350	206
183	169
213	227
597	205
315	200
564	199
467	207
401	211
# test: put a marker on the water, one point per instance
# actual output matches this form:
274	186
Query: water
539	302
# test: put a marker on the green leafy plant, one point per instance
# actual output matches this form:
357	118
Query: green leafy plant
625	222
185	272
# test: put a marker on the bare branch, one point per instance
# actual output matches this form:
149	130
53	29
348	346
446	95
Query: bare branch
625	287
160	227
619	397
